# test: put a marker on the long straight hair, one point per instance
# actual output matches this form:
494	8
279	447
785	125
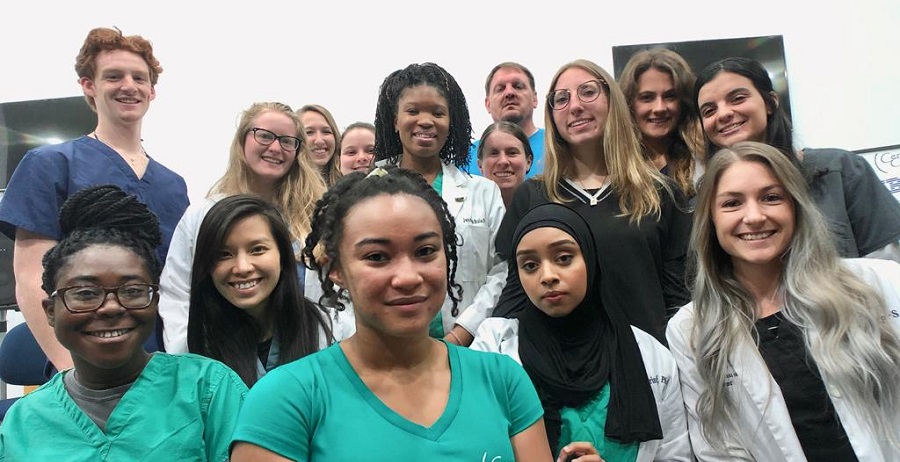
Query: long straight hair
841	318
222	331
636	183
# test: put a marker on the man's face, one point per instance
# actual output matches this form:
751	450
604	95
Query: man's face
510	96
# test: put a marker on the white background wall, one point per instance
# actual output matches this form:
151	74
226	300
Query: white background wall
841	57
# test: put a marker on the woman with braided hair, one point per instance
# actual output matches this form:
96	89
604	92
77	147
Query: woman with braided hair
119	402
422	124
390	392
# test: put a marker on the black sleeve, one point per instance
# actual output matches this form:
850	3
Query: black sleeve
676	219
513	298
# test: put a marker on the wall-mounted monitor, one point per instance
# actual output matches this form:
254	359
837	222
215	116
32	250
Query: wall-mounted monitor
767	50
28	124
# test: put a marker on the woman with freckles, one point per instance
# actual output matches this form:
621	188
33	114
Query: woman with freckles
787	352
267	159
737	102
422	124
593	164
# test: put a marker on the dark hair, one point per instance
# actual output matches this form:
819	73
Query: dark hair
321	250
387	140
506	127
507	65
219	330
778	124
103	215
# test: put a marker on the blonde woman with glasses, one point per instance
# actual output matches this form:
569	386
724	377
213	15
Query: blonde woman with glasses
593	164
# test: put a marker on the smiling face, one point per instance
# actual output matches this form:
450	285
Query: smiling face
393	264
357	150
423	121
753	216
733	110
580	123
511	97
269	164
504	161
656	107
552	270
249	266
108	342
121	87
319	136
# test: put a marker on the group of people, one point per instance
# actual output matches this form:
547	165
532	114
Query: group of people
657	275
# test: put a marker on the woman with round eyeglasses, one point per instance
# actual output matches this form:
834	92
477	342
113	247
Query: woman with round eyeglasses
593	164
267	159
166	407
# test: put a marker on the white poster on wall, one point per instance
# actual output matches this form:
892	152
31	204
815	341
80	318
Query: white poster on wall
886	162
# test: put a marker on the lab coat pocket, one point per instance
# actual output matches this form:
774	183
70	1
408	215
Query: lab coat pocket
473	252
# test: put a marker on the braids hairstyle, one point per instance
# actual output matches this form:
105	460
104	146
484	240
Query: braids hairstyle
778	124
332	169
512	129
296	193
321	252
102	39
635	182
219	330
841	318
104	215
387	141
687	141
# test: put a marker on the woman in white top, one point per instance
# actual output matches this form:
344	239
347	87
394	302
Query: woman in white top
787	352
266	159
422	124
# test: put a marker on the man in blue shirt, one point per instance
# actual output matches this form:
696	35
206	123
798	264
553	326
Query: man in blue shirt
510	96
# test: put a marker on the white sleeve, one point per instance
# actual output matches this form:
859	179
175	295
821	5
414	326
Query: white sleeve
485	300
175	282
692	386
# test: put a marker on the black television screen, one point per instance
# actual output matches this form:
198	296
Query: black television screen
767	50
28	124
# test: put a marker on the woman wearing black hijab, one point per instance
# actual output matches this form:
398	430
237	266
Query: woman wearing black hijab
600	380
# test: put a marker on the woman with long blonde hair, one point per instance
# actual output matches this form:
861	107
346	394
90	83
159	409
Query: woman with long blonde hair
787	352
593	164
267	159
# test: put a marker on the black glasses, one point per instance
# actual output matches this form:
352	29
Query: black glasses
266	137
587	92
84	299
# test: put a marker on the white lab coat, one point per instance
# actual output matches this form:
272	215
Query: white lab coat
175	282
764	424
477	208
501	335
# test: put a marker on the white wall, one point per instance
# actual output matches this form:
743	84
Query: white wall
841	56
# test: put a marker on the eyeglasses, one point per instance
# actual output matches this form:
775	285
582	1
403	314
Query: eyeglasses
266	137
587	92
84	299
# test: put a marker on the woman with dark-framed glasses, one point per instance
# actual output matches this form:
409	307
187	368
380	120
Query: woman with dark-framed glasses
267	159
593	164
119	402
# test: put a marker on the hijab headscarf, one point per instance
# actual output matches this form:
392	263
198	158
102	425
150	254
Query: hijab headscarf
570	359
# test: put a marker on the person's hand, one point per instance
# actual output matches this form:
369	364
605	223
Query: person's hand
579	451
459	336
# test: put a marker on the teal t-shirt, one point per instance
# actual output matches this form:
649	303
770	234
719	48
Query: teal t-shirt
588	423
318	409
181	407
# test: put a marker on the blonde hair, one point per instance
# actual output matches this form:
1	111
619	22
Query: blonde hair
297	192
331	171
841	318
630	176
